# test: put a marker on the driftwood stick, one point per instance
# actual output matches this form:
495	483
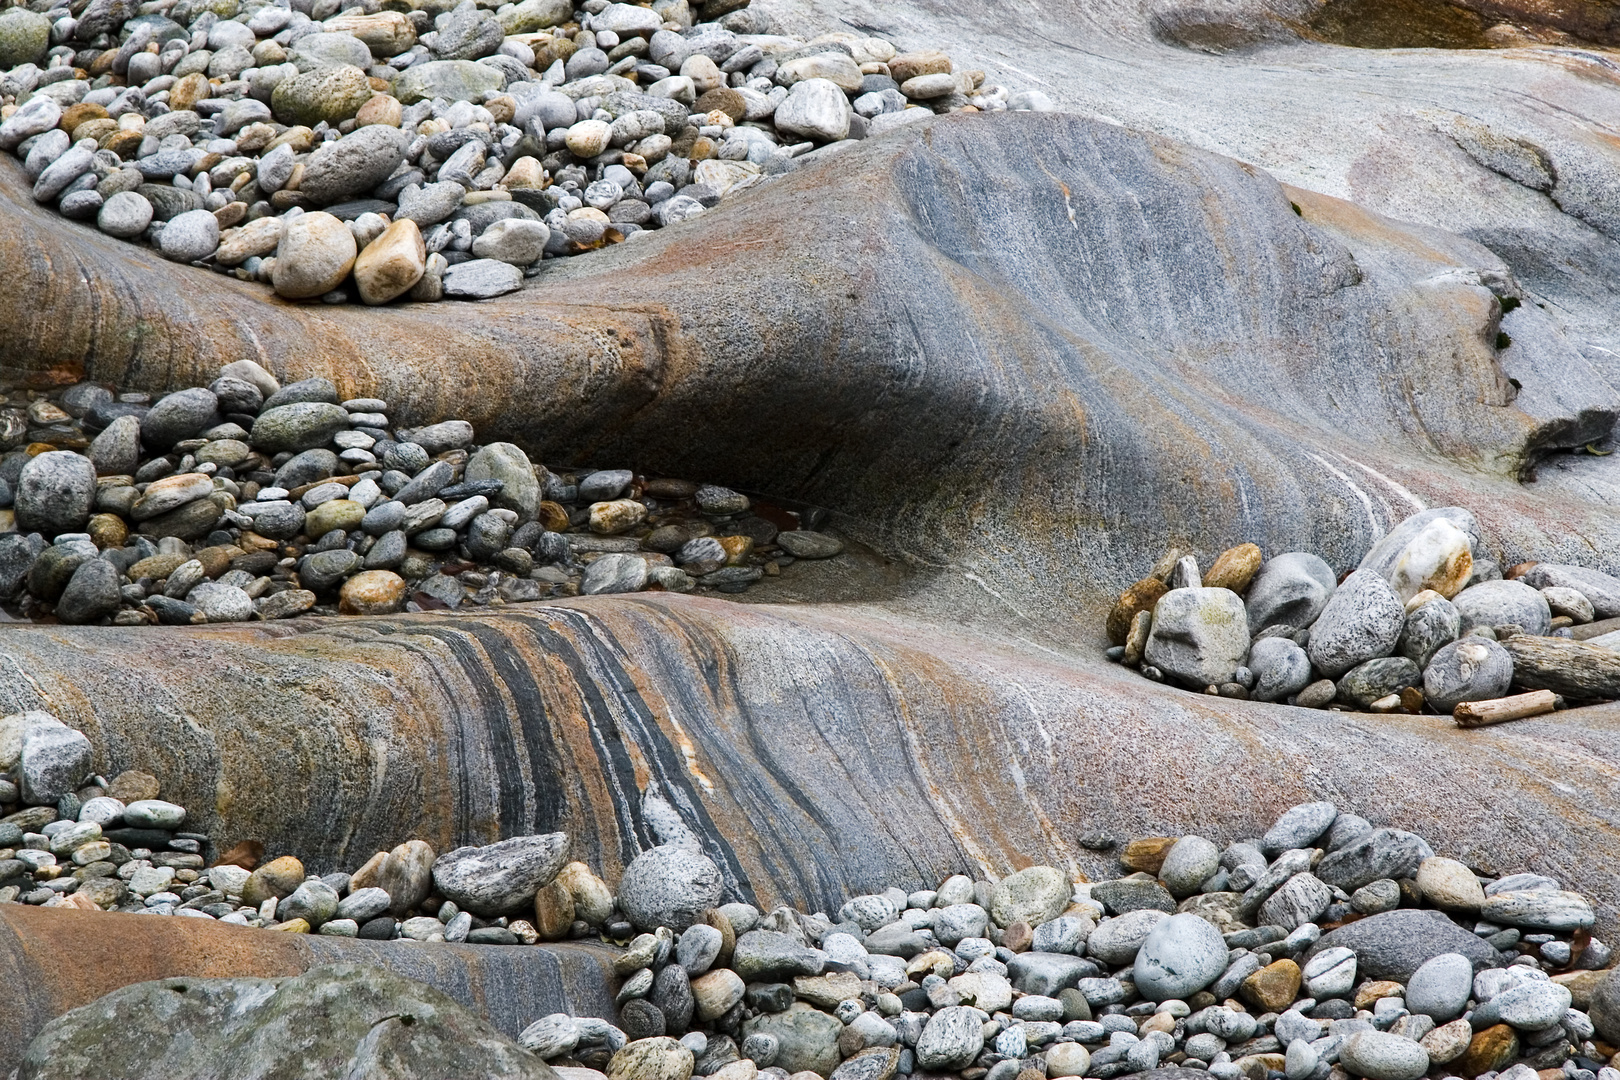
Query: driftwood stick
1576	669
1473	714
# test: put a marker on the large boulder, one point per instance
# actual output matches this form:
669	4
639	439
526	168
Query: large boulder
1498	603
1291	588
1362	622
668	886
337	1020
1383	556
1199	636
353	164
502	877
1396	944
1473	669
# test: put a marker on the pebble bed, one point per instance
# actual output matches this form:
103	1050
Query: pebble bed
1328	948
437	151
1417	626
247	499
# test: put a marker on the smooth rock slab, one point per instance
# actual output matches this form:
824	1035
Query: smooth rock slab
502	877
482	279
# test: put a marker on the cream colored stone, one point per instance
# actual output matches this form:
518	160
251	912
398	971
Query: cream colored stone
1448	884
316	253
392	263
1437	558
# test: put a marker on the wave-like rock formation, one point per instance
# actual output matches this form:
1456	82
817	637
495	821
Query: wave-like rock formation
1251	295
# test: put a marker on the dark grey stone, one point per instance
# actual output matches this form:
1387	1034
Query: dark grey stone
327	569
1384	853
672	994
1127	894
280	522
1299	827
18	551
1366	683
1427	629
1395	944
305	390
91	595
426	484
306	468
178	416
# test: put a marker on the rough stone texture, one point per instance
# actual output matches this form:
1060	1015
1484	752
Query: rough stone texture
1183	282
508	987
502	877
345	1017
668	887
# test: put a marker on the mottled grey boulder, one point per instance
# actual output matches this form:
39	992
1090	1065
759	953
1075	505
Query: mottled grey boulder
502	877
1494	603
1199	636
1115	941
1281	669
1366	683
17	554
1395	944
1290	588
55	759
1427	629
337	1020
302	426
666	886
950	1040
54	493
806	1037
357	162
315	902
1383	853
1361	622
1045	974
520	491
1473	669
1603	590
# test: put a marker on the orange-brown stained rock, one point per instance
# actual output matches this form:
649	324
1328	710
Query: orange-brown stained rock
1488	1051
246	855
1273	987
1147	855
1139	597
553	911
1234	568
1369	992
